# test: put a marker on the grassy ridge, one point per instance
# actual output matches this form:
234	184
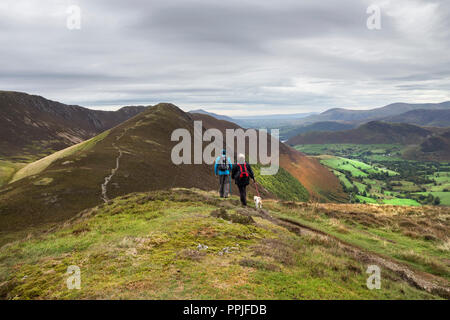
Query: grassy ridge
184	245
40	165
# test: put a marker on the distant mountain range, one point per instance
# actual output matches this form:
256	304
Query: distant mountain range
31	125
288	116
429	144
336	119
423	117
414	112
330	126
215	115
395	109
374	132
261	121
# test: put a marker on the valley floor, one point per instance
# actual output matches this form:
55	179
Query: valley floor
190	244
377	173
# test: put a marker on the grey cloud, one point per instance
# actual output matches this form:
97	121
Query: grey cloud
283	56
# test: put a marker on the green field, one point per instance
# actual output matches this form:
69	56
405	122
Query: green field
356	168
441	182
378	174
443	196
376	152
363	199
346	182
364	181
341	164
401	202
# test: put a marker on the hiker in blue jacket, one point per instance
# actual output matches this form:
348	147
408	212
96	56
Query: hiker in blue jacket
222	168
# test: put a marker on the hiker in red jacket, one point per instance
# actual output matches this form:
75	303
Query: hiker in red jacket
242	173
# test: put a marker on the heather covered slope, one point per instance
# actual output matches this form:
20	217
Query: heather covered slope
32	126
189	244
59	186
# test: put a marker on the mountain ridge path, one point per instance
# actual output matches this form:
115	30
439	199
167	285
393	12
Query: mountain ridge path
104	185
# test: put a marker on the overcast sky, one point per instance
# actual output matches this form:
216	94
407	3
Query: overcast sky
231	57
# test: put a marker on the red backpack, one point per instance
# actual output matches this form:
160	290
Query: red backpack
244	173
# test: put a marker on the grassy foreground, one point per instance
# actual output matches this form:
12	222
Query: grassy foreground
189	244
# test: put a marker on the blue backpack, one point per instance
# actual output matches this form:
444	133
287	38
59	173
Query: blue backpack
223	165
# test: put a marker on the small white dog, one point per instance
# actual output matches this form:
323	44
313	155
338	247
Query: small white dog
258	202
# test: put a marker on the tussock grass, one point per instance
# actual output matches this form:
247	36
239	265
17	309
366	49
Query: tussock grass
417	236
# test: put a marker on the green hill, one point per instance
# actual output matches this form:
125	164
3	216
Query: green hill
189	244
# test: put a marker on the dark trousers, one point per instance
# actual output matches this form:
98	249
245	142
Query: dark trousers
243	193
224	181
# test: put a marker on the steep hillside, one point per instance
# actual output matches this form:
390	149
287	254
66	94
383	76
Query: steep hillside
374	132
134	156
189	244
32	126
423	117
